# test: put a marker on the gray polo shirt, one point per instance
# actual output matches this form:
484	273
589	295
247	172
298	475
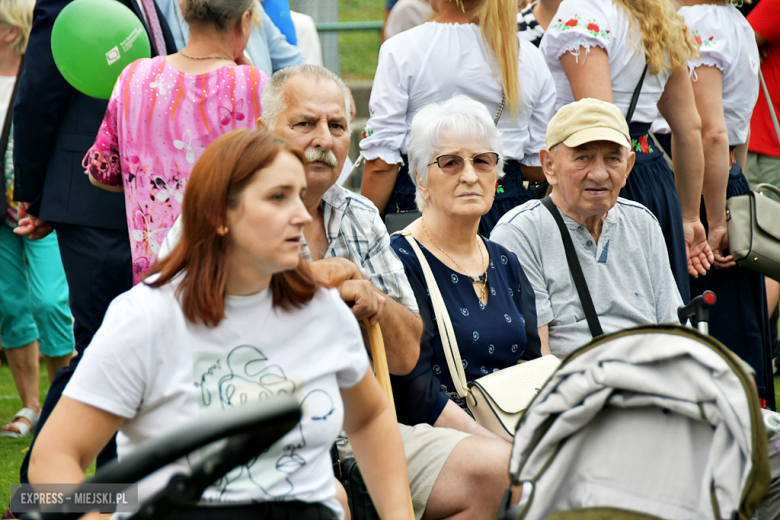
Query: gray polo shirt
627	271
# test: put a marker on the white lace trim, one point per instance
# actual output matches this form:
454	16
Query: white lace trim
573	46
388	155
704	61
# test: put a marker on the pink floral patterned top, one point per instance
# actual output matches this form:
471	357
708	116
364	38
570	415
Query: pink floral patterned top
158	122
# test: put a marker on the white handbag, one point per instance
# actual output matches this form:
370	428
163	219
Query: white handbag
497	400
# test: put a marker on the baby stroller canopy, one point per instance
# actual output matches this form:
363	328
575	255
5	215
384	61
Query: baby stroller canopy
656	421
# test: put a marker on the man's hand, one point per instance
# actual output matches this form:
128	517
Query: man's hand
700	255
719	242
30	225
366	302
332	272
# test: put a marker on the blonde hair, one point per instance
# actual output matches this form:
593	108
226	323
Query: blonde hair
498	23
18	13
667	41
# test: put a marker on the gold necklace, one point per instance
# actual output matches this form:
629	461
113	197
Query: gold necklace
474	279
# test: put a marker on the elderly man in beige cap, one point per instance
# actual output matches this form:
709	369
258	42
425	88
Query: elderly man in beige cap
618	242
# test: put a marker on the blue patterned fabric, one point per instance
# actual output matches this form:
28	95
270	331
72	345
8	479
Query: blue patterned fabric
490	337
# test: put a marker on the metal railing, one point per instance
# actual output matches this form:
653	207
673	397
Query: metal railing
349	26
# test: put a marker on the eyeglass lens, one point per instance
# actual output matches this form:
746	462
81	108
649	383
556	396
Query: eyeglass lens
484	162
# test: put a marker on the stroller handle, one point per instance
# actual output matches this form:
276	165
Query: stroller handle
249	430
700	308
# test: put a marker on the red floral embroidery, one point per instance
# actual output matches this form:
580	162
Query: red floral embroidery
572	23
644	146
698	40
593	27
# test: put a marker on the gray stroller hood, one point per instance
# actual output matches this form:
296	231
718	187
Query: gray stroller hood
657	420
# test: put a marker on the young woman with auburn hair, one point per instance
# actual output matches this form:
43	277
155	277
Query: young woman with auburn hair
233	310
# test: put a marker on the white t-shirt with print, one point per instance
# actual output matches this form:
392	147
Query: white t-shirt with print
152	367
431	63
601	23
726	41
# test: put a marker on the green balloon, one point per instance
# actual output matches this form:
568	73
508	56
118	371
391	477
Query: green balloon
93	41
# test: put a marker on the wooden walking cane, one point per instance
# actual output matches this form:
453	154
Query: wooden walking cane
377	345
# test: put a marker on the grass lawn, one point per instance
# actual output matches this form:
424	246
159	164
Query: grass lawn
12	450
359	51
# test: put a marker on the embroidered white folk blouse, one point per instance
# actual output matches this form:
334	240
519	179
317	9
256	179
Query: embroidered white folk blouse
591	23
431	63
726	41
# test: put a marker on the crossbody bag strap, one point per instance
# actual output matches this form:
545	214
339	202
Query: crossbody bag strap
576	270
772	113
446	331
635	96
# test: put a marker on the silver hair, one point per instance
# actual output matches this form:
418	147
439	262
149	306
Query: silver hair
461	118
220	13
273	94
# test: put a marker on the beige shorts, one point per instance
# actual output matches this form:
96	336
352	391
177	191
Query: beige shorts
426	449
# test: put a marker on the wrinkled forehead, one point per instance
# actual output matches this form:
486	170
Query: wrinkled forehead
450	138
314	96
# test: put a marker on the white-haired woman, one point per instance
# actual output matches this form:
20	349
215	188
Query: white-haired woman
455	154
599	49
471	48
34	313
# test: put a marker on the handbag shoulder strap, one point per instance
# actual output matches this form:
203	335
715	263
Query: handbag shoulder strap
446	331
635	96
576	270
772	113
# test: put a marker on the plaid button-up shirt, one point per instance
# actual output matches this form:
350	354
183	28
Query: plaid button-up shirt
356	232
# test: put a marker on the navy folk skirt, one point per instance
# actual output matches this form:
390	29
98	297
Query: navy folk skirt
739	319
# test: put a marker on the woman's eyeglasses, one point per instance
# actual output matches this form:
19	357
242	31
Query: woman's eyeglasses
452	164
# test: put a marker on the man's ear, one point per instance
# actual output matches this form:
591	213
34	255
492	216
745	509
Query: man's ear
630	163
261	125
546	158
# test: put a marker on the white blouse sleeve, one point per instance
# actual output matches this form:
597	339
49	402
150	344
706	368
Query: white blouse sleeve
386	128
711	40
580	23
114	371
544	109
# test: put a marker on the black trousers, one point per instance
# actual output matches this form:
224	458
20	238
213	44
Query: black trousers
99	268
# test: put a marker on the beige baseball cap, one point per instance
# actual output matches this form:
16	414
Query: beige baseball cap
585	121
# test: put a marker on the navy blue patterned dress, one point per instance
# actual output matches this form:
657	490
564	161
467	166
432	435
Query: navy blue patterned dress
490	337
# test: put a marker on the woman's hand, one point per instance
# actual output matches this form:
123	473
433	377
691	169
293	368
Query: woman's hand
719	242
699	254
30	225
